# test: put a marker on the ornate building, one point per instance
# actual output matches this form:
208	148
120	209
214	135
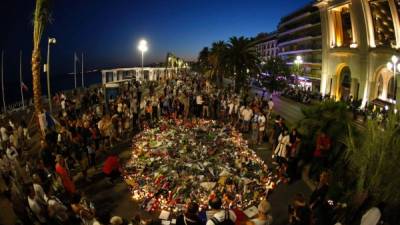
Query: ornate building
359	37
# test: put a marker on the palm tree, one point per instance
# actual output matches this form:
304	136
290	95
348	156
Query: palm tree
242	60
203	60
374	157
217	60
40	17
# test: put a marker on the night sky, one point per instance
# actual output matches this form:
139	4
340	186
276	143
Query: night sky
107	31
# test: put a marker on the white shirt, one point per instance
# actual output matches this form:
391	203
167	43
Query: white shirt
39	193
220	216
247	114
36	208
199	100
12	153
270	105
119	107
261	122
230	106
4	135
63	104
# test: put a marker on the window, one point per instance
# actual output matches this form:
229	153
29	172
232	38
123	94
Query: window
383	23
343	31
346	27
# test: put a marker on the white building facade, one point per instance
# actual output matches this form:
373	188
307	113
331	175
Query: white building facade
359	37
267	47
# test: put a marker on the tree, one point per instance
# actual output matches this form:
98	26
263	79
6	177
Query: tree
330	117
41	17
374	157
218	62
277	74
242	61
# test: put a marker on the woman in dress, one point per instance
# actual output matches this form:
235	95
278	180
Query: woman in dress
293	153
63	174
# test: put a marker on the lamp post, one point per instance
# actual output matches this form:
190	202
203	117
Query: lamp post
298	61
143	48
50	41
394	66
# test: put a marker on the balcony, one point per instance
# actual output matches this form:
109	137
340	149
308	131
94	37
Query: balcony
299	52
308	38
298	29
304	15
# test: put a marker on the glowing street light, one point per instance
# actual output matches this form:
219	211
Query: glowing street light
49	43
298	61
143	48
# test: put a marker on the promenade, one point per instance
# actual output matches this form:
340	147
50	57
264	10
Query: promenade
115	199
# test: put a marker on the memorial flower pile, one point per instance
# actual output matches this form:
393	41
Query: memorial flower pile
195	160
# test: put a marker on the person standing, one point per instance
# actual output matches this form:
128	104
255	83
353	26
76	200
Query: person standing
321	153
134	112
56	210
276	132
293	153
199	104
155	104
270	107
37	206
262	122
111	168
247	114
4	137
149	112
299	212
63	174
281	149
318	199
254	128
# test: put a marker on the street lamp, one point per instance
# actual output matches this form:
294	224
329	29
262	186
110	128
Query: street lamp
50	42
143	48
395	67
298	61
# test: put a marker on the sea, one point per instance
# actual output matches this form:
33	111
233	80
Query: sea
58	82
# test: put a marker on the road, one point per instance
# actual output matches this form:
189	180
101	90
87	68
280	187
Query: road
290	110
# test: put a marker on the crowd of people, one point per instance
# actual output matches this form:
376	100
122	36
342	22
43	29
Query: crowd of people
89	124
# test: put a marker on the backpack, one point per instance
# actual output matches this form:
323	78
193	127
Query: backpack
226	221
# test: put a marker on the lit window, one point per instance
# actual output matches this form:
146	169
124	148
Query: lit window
343	32
383	23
